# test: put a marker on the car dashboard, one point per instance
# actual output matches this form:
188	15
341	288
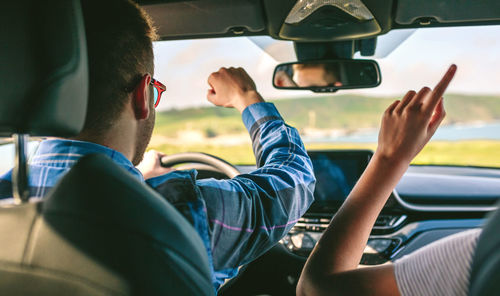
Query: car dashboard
429	203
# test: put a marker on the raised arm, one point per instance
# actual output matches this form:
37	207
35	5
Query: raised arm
331	269
251	212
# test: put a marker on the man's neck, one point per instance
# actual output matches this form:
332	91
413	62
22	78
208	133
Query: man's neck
114	139
121	135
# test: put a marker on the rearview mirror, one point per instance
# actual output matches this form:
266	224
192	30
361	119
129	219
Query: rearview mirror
327	75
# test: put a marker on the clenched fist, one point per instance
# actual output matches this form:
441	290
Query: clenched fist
232	87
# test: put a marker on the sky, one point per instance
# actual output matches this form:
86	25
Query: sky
184	66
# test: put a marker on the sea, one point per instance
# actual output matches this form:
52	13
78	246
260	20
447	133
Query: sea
457	132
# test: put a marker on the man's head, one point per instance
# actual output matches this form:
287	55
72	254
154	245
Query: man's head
119	44
316	74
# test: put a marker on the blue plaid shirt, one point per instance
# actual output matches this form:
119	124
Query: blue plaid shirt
238	219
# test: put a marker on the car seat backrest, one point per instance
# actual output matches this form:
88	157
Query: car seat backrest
101	232
25	232
485	273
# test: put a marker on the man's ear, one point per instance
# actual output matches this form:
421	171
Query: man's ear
141	98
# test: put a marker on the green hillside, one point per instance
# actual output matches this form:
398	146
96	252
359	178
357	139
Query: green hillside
326	112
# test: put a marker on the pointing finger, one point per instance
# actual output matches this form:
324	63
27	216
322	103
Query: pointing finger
438	91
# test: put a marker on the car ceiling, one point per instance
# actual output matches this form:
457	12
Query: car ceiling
223	18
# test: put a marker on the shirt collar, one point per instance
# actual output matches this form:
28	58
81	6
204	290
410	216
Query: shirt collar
64	153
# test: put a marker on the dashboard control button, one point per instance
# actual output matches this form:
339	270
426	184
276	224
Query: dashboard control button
379	245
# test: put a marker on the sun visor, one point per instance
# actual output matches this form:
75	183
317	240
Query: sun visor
200	18
427	12
329	20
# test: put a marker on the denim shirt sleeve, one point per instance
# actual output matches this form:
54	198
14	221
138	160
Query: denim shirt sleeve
250	213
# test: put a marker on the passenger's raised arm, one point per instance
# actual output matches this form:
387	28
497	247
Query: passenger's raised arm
406	127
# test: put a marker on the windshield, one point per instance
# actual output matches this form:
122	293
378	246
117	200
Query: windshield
469	136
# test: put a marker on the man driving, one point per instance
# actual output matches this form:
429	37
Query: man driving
237	219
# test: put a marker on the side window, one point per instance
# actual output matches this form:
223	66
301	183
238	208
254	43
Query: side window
7	153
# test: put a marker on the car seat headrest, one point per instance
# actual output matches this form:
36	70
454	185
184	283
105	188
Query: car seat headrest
485	270
43	72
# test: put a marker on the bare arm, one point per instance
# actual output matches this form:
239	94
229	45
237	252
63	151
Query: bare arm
407	125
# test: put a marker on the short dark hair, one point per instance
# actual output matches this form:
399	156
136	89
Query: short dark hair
120	51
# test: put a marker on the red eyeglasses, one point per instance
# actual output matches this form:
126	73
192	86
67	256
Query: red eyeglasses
158	89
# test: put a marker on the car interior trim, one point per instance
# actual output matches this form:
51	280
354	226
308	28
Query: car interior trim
442	208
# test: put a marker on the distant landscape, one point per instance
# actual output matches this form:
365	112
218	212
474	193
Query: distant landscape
220	131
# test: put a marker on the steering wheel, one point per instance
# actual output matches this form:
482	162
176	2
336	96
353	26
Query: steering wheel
200	161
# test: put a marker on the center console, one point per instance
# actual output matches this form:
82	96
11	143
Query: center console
337	171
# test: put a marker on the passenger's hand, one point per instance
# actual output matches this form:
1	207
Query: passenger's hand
408	125
232	87
151	167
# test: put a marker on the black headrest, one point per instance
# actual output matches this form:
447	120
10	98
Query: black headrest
485	272
43	68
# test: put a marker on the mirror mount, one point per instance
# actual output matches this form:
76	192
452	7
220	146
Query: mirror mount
307	51
334	50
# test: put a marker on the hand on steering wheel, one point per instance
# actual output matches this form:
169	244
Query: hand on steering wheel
157	164
200	161
150	165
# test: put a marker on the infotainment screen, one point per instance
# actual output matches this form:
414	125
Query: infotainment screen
337	171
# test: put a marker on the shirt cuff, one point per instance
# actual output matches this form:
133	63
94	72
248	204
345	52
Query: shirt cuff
258	113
